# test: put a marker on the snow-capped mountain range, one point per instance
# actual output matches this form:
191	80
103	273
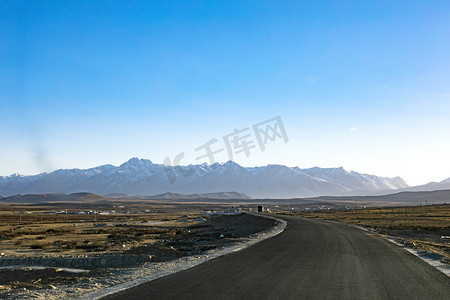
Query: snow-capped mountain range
142	177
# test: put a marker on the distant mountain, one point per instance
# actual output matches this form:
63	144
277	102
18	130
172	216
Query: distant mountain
174	196
90	197
215	196
142	177
57	197
401	198
432	186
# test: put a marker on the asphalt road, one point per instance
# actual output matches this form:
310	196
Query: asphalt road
310	260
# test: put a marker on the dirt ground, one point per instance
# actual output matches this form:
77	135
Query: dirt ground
164	238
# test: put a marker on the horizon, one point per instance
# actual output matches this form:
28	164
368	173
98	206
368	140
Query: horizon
209	164
358	85
221	162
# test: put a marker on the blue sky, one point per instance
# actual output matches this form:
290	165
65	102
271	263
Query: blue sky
359	84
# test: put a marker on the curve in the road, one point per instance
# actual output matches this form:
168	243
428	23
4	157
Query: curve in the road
311	259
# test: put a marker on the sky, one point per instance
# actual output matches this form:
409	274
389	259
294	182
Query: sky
359	84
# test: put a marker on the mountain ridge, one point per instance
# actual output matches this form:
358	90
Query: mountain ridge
143	177
431	186
84	197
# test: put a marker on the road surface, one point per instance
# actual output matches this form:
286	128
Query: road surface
311	259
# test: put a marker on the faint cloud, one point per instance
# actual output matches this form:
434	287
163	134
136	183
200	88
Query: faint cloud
42	158
353	129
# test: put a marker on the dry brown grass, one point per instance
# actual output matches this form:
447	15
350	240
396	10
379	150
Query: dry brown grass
164	232
430	218
25	231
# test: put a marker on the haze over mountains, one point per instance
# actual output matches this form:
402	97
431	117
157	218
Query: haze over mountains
142	177
432	186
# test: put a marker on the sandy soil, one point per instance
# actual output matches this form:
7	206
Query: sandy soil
218	235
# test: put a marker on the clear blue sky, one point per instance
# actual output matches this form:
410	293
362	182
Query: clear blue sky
359	84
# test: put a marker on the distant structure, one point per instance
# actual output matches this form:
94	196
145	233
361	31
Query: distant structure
232	210
260	208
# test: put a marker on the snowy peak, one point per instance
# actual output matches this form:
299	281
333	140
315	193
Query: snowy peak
431	186
446	180
142	177
397	181
136	163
